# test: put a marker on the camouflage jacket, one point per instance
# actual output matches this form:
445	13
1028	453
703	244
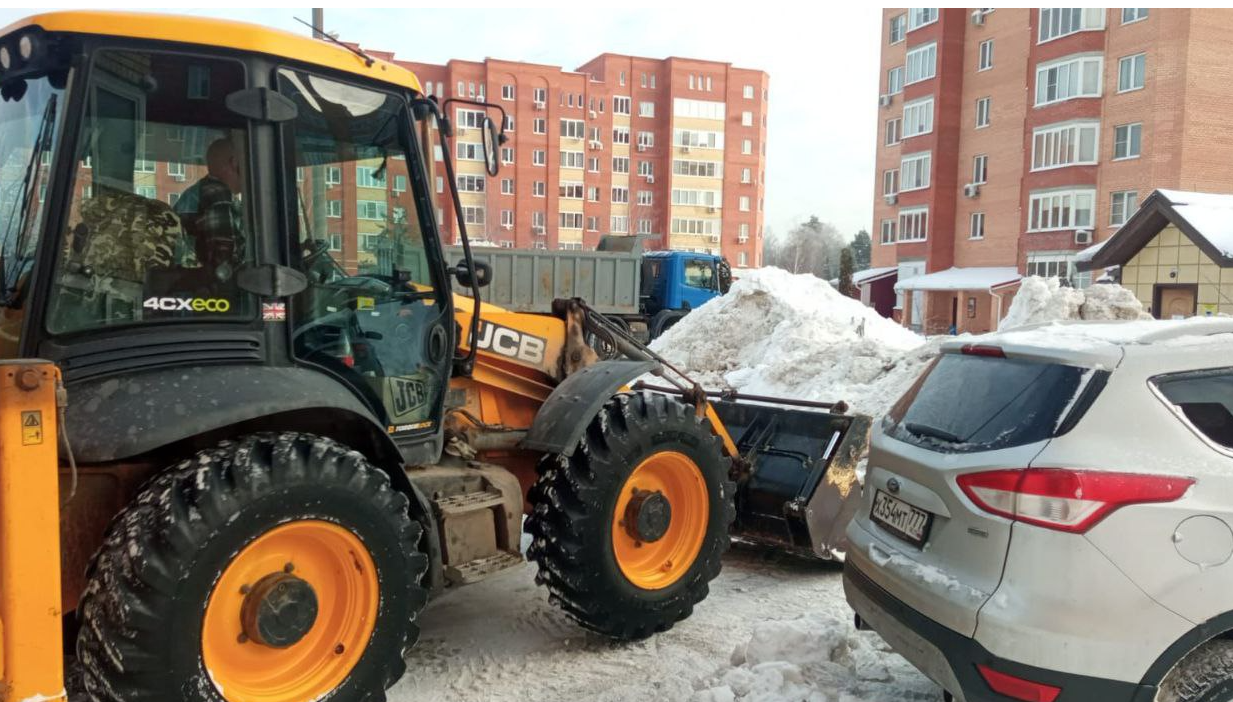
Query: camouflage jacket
122	235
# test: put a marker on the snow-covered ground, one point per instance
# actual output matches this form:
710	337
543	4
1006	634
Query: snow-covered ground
774	629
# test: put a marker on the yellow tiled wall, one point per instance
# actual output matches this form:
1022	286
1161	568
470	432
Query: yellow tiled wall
1171	258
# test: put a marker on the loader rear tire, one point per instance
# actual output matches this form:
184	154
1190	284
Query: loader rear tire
280	567
628	532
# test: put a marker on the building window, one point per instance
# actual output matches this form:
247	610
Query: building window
473	214
746	146
914	172
743	203
976	228
702	169
333	208
746	119
985	62
646	198
1060	209
1068	79
1127	140
539	157
646	168
646	109
470	152
749	92
742	233
620	135
620	105
509	123
894	81
440	184
175	169
537	221
890	181
746	175
917	118
571	190
539	95
470	119
507	218
507	186
1131	72
914	224
371	209
470	184
1133	14
539	126
400	183
1067	145
980	169
620	224
646	140
1058	22
538	189
369	177
507	92
572	129
333	175
888	231
507	154
982	112
921	63
1057	265
921	16
592	224
1123	205
898	27
593	194
572	159
893	127
620	164
593	164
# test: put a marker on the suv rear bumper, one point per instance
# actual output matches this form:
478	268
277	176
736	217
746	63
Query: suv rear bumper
950	659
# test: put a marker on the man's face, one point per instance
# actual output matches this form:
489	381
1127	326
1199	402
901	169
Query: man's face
231	173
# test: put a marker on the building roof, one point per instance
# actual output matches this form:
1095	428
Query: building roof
227	34
871	274
1204	218
961	279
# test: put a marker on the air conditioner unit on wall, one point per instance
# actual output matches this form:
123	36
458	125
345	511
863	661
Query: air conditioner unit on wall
684	149
891	199
971	190
884	101
539	105
978	17
1083	237
594	114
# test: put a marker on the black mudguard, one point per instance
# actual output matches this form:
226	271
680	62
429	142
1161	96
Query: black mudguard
574	403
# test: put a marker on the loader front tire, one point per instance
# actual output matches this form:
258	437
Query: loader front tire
280	567
628	532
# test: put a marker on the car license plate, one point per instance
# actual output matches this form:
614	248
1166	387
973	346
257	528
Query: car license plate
901	519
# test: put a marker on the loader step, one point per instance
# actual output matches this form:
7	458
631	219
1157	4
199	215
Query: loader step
480	568
455	505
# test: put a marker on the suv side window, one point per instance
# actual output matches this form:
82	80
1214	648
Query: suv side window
1205	398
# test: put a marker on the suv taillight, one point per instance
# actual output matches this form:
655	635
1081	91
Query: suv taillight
1066	500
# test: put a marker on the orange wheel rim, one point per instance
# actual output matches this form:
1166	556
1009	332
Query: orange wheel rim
340	571
660	563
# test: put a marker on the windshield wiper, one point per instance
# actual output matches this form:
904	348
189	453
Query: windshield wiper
932	432
23	231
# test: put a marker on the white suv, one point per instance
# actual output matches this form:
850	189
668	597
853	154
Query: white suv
1046	516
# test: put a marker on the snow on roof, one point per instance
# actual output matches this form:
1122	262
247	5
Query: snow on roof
1210	214
1089	252
961	279
871	274
1095	342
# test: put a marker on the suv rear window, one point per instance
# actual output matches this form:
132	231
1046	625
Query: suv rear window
1206	399
964	404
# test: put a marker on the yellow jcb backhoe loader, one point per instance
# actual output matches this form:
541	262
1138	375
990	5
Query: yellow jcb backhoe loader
280	429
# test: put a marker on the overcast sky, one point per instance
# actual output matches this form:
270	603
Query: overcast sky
823	70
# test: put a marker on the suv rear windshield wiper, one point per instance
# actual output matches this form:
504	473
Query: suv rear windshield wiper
932	432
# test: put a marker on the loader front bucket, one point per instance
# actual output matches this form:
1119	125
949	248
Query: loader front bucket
799	485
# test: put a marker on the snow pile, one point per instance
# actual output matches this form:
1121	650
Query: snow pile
776	333
1046	300
814	658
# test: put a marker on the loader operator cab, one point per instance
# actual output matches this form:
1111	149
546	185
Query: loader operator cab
272	212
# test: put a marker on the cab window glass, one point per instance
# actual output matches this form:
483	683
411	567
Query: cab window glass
158	226
699	273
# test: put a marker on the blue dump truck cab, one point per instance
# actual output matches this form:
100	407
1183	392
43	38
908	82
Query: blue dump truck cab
675	282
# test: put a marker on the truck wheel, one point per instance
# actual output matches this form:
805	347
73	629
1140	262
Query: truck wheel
629	530
1204	675
276	568
663	321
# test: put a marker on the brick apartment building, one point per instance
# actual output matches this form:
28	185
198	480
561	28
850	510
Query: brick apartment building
674	149
1011	139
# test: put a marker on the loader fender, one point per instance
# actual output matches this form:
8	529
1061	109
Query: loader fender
564	416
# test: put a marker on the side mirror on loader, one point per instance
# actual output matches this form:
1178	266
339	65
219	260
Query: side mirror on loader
462	272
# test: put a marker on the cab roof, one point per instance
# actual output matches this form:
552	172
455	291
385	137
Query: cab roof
227	34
